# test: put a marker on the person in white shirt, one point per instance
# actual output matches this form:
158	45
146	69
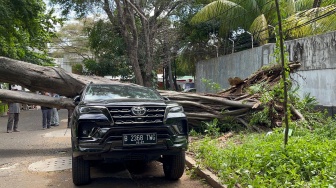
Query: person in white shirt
54	114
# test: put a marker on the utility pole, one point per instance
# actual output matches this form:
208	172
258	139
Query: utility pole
232	45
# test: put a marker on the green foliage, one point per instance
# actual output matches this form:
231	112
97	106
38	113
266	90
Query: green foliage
193	38
107	67
306	104
318	26
77	69
215	127
261	118
72	39
193	132
258	88
97	37
210	85
105	40
328	130
300	17
192	173
262	161
110	51
3	108
4	85
211	128
137	30
269	96
25	29
229	123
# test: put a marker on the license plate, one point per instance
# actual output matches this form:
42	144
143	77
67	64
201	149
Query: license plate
139	139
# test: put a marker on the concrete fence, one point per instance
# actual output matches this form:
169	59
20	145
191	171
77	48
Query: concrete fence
316	76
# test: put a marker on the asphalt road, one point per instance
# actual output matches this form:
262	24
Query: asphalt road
40	158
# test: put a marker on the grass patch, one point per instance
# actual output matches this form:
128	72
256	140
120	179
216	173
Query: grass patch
260	160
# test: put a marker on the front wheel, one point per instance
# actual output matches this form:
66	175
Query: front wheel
173	165
80	171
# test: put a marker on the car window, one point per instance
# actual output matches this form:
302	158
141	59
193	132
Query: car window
107	92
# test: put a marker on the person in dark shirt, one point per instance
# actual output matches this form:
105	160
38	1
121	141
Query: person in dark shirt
46	115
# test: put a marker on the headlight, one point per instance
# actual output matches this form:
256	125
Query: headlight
91	109
176	109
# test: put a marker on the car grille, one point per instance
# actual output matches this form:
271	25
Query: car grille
123	115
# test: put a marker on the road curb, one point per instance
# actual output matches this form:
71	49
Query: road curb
210	178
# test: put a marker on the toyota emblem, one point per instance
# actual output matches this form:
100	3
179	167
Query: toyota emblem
138	110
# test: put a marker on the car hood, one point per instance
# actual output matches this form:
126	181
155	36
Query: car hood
128	102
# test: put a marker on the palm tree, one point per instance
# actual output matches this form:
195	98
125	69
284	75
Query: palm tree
311	21
256	16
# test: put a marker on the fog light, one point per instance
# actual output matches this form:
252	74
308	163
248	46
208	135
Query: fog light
85	133
85	128
179	128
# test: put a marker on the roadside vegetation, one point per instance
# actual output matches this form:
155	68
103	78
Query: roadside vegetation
244	158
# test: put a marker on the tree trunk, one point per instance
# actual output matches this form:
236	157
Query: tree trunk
148	67
39	78
166	76
34	99
171	83
129	33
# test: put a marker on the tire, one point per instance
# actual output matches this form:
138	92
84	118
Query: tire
80	171
173	165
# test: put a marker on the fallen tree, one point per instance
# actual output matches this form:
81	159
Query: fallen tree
40	78
34	99
235	101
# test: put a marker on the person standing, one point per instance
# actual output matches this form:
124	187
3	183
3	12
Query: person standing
54	114
13	116
46	115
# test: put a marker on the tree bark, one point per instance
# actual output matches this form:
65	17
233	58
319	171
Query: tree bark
8	96
39	78
129	32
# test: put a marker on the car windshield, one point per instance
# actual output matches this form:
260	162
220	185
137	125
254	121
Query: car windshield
108	92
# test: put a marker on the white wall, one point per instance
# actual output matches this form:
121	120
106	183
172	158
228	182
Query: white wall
316	76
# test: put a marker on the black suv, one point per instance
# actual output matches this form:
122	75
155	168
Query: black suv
127	122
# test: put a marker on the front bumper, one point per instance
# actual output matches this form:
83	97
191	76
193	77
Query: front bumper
107	144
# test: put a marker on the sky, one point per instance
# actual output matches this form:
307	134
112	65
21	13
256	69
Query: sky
58	11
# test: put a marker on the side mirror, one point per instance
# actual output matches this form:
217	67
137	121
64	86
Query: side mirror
166	98
77	100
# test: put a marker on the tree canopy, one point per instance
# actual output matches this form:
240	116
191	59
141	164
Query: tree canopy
109	52
138	23
25	29
301	17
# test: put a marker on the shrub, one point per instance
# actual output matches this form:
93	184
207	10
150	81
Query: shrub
262	161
